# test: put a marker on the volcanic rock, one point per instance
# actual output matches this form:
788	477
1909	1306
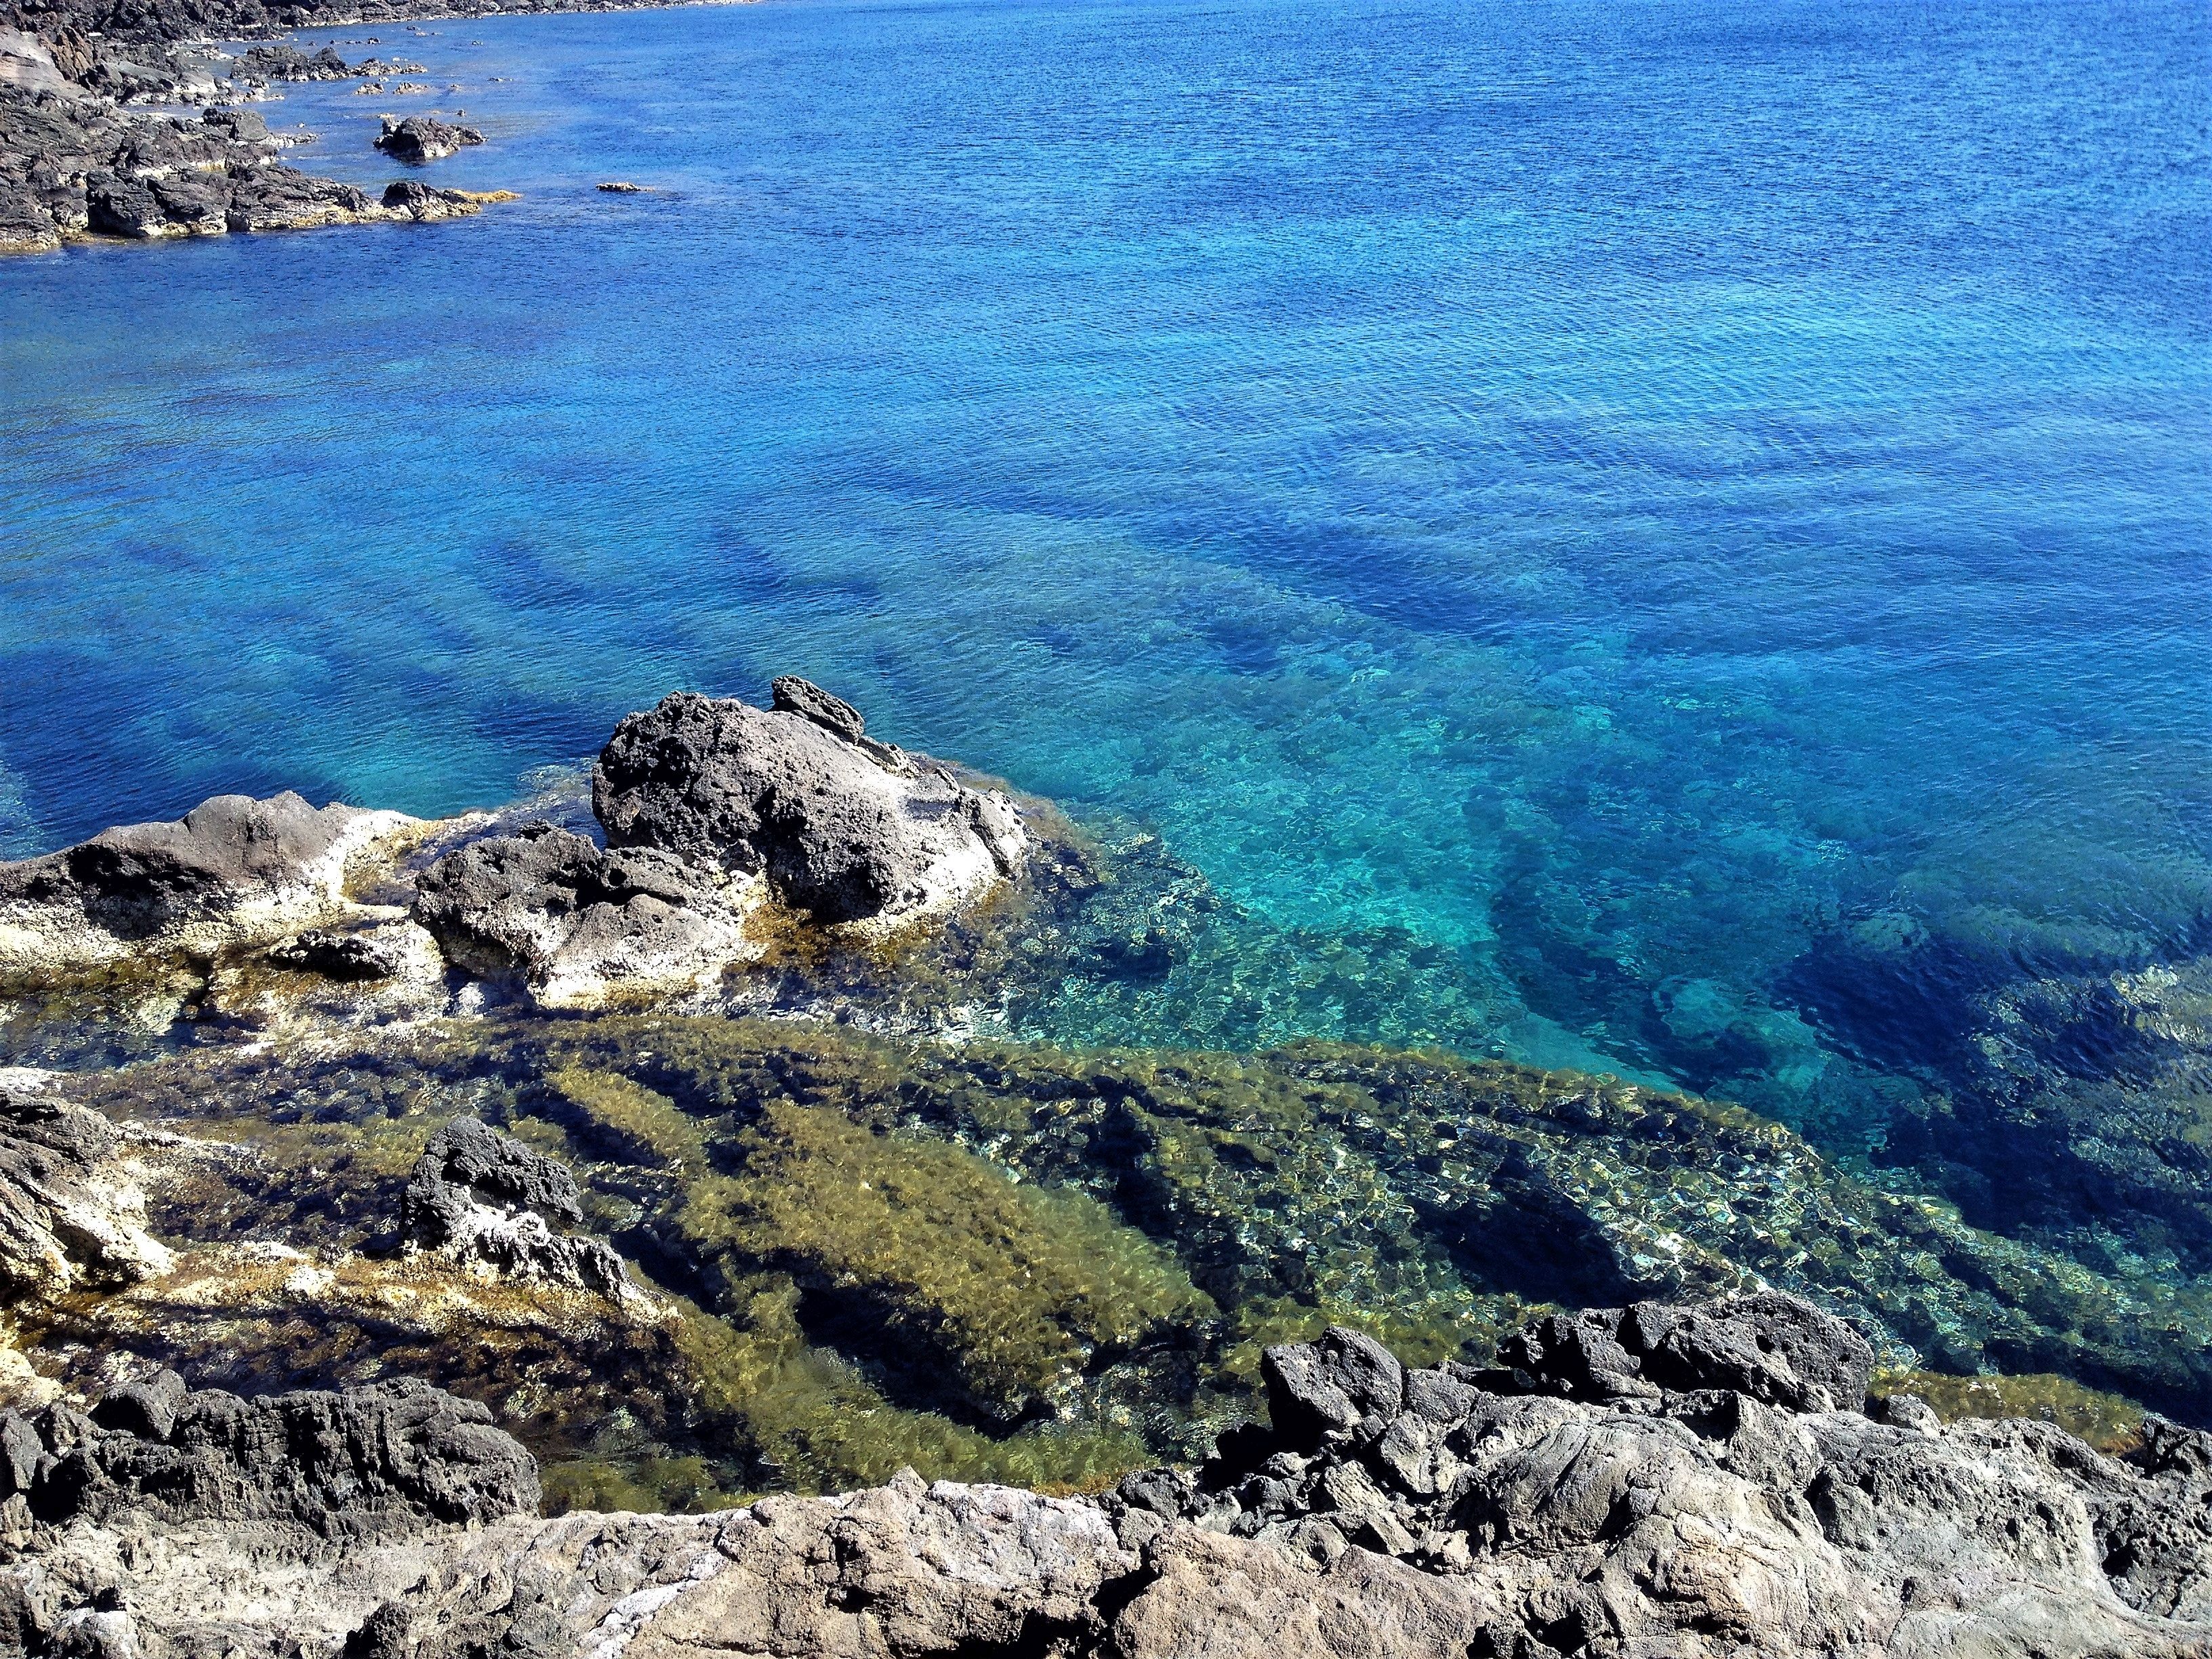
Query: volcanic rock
232	871
71	1216
419	139
479	1196
843	829
552	911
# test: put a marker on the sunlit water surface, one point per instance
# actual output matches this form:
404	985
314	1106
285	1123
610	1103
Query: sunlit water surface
1592	503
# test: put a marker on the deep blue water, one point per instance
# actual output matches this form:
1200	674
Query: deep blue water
1621	495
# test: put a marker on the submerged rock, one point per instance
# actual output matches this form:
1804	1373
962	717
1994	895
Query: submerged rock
482	1196
232	871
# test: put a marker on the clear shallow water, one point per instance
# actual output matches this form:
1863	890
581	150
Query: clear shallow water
1607	501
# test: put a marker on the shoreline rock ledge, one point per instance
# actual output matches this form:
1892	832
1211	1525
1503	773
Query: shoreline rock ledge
1701	1481
714	813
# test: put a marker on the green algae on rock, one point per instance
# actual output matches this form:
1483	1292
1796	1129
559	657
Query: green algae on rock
998	1260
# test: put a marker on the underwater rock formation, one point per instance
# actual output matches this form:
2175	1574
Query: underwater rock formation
232	872
1453	1515
479	1196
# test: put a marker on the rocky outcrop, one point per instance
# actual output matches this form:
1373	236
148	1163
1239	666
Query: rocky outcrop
710	809
283	61
419	140
842	827
72	1216
73	165
169	1521
382	1460
232	871
1390	1513
481	1196
552	911
1658	1480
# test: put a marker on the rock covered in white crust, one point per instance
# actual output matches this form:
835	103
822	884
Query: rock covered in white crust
234	871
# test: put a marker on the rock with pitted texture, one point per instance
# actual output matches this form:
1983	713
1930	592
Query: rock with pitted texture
843	827
73	165
419	140
1771	1347
71	1216
1435	1514
482	1196
385	1461
232	872
548	911
1629	1488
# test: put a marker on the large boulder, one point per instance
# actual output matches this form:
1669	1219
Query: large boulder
547	909
480	1196
72	1216
843	827
234	871
418	139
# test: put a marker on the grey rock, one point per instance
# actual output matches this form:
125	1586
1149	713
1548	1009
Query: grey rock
232	871
836	832
479	1196
1328	1387
71	1216
548	910
361	1464
790	695
1772	1346
419	140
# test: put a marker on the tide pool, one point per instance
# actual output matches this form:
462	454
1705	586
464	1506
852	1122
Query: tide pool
1668	538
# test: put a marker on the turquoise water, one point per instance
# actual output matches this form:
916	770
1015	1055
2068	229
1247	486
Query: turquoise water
1614	508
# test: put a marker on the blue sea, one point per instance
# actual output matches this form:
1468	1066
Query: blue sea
1617	508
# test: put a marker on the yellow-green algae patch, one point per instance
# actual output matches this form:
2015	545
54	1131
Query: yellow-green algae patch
2109	1422
1014	1287
1002	1260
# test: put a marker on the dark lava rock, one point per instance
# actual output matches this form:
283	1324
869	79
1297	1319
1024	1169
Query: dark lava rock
419	139
366	1462
468	1165
283	61
844	829
338	956
479	1194
1770	1346
242	126
1330	1386
790	695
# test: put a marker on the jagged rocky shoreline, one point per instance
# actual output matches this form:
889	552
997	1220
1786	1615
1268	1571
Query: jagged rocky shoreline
1647	1480
79	159
451	1164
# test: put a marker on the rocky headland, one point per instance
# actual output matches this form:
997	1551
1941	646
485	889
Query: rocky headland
79	159
399	1219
